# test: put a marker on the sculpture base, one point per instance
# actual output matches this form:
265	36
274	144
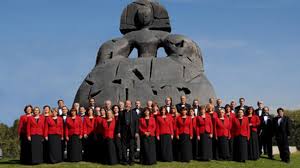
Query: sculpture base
146	79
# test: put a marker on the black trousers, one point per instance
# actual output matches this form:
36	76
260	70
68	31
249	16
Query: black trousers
266	142
283	146
25	153
128	142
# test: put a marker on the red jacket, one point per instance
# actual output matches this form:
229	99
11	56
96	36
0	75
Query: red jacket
204	125
164	125
255	121
231	119
240	129
222	129
98	127
35	128
73	127
88	125
54	128
213	116
150	128
22	128
108	131
184	127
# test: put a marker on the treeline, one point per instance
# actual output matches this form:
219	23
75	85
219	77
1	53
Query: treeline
9	142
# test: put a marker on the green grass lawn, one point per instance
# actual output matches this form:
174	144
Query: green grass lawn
295	163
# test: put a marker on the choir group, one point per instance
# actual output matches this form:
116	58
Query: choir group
123	133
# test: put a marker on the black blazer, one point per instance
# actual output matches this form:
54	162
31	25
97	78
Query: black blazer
179	106
141	110
239	107
257	112
284	128
266	128
134	124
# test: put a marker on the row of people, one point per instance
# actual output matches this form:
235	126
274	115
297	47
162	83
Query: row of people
107	134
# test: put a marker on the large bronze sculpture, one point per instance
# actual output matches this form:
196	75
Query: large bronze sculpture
145	25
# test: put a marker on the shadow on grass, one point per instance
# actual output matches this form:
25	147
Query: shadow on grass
10	162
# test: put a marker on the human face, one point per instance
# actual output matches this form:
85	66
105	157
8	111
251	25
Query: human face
102	111
280	113
149	103
108	104
90	112
116	109
168	101
73	113
219	102
242	102
128	104
138	104
147	113
28	110
82	110
92	102
54	113
109	114
183	99
222	112
241	113
260	104
61	103
36	111
163	111
232	104
46	110
196	102
121	104
65	110
184	112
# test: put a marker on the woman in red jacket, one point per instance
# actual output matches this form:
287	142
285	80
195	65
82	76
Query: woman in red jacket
222	134
88	134
22	132
109	126
116	112
164	135
46	114
98	129
147	126
184	134
174	114
194	140
73	130
213	115
253	145
204	135
53	135
35	134
241	134
230	115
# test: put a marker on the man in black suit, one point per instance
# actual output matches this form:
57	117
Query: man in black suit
196	107
127	130
182	104
259	112
138	108
282	127
218	105
168	104
242	105
266	132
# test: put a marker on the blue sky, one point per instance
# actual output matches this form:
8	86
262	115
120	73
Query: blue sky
47	47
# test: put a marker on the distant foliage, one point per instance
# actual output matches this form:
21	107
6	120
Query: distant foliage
9	142
295	132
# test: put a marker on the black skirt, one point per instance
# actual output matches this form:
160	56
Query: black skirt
223	148
165	148
54	149
230	144
89	148
110	152
185	148
25	153
240	145
36	149
99	145
118	147
205	147
253	146
195	147
74	149
148	150
175	149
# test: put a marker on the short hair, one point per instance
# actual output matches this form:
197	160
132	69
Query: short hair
46	107
60	100
27	106
242	99
280	109
73	109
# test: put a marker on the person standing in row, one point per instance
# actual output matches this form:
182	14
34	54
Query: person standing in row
230	114
184	134
182	104
109	125
116	111
241	134
46	114
128	131
73	132
253	145
164	135
35	134
22	132
168	104
282	127
196	107
88	134
194	140
222	128
54	134
204	135
147	127
213	115
242	105
266	132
